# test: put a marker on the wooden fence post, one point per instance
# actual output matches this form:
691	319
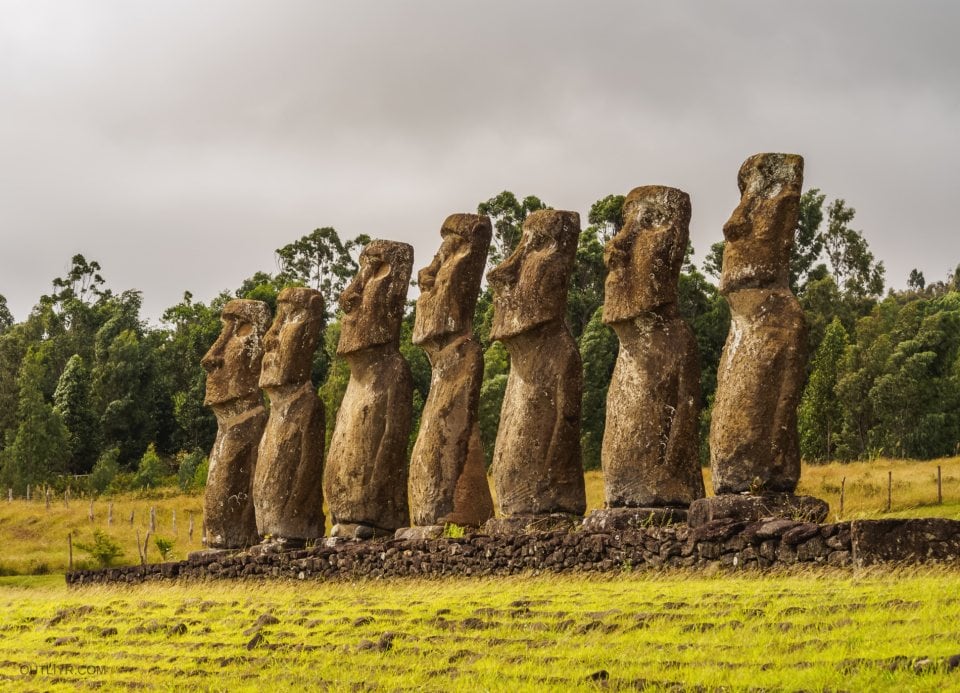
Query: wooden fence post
939	486
889	490
174	522
843	490
190	526
153	519
90	512
131	516
47	494
110	514
28	491
9	495
70	548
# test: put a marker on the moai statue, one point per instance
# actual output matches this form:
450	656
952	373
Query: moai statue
233	369
287	488
365	481
448	479
754	445
537	468
650	454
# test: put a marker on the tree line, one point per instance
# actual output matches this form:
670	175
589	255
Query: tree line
88	387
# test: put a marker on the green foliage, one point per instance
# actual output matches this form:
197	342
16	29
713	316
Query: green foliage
151	470
453	531
333	390
40	448
496	369
200	474
507	215
188	465
104	550
585	295
105	470
72	401
819	414
607	216
598	350
6	317
321	260
164	546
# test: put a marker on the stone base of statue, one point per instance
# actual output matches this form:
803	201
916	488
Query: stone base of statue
419	533
746	507
609	519
276	545
356	531
521	524
210	554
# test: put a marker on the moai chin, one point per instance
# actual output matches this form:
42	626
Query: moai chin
650	451
287	489
754	445
233	369
448	480
365	481
537	468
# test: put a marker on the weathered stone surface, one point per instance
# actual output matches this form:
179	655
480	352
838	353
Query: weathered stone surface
650	451
908	541
524	524
419	533
448	480
750	508
233	370
537	466
365	481
609	519
287	489
753	434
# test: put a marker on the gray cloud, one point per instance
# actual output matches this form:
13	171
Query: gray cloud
180	143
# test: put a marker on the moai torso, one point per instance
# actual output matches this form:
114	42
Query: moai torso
537	466
754	444
287	490
448	481
233	369
650	451
365	481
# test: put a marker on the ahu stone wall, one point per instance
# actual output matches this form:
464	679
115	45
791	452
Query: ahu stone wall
723	544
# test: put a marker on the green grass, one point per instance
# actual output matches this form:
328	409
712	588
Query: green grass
815	631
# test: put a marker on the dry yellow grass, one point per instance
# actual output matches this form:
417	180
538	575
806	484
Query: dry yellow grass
33	539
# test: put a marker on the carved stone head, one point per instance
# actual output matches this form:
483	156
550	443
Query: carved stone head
293	338
530	286
450	284
759	233
644	259
373	303
233	362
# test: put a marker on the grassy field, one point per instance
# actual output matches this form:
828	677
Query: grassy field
34	538
672	631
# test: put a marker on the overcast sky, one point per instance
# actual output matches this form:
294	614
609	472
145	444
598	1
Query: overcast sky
179	143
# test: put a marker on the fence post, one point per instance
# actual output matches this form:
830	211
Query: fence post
28	491
153	519
110	514
9	495
139	550
174	522
48	499
843	492
90	513
66	496
939	486
889	490
70	548
190	525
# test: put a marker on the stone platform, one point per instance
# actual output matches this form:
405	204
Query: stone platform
609	519
717	545
750	508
